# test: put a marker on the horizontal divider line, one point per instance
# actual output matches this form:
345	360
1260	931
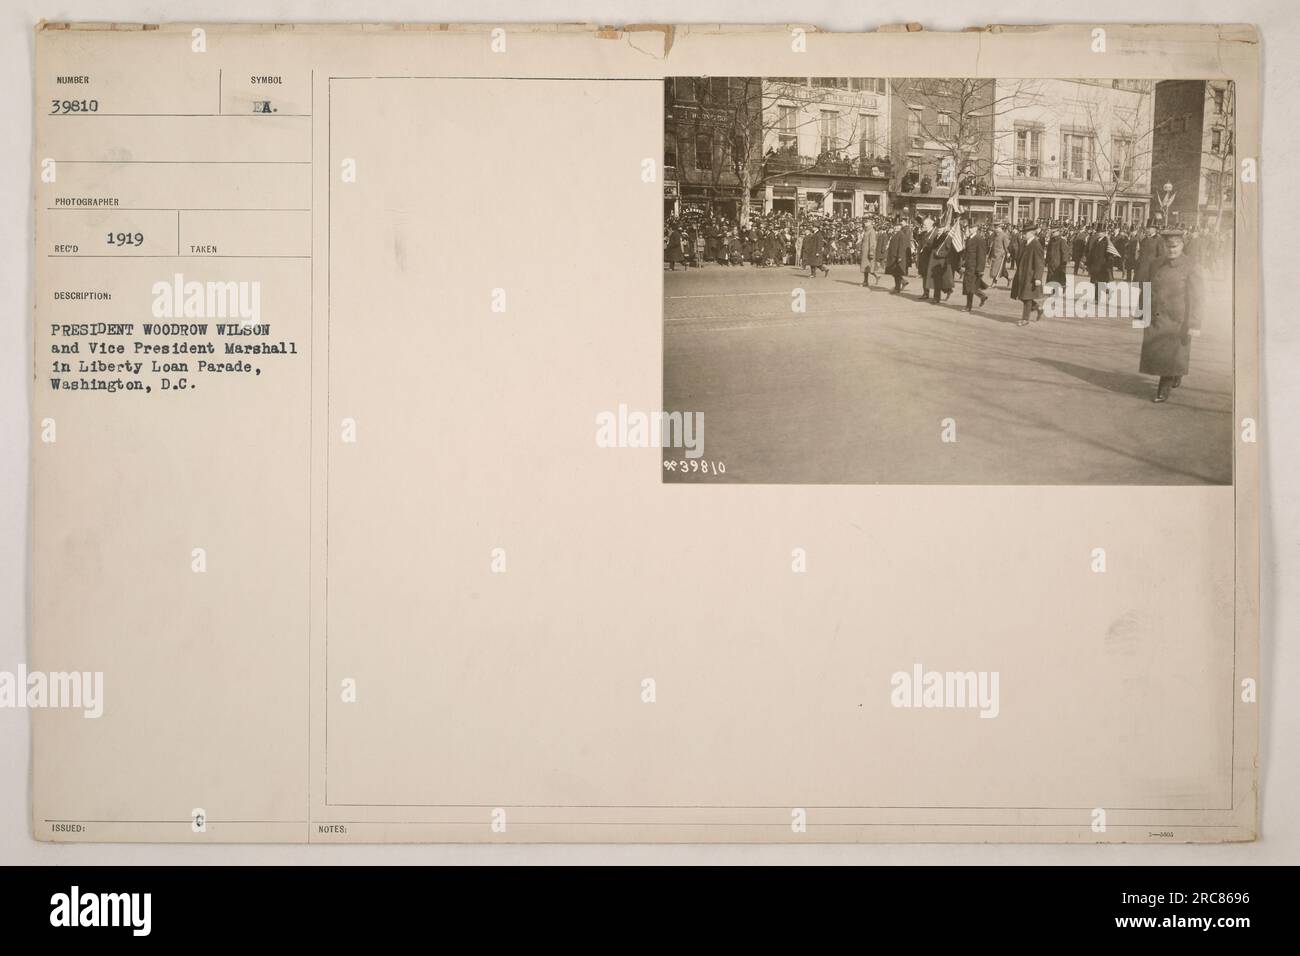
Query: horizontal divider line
173	209
184	115
170	255
184	162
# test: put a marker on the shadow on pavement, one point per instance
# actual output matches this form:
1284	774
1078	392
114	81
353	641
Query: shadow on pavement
1125	382
1004	319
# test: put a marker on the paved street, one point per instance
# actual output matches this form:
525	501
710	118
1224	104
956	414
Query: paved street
856	388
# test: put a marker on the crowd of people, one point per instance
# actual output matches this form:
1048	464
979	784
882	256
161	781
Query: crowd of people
768	239
1028	255
773	238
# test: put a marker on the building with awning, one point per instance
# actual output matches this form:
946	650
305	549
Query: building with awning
825	146
833	189
979	208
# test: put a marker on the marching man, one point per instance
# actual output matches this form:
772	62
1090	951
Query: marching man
898	254
867	253
973	260
1175	313
1027	286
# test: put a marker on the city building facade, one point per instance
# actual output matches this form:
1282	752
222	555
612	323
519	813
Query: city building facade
1073	150
1010	150
1193	163
826	145
709	124
941	139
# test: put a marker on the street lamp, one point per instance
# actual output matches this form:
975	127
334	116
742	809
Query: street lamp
1166	199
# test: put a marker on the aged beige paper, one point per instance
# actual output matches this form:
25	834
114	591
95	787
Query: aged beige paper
346	529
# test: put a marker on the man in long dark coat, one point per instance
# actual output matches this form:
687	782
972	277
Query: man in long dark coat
1177	301
1078	249
1027	286
674	249
1132	245
1057	256
943	260
898	255
814	251
924	248
1151	248
1101	262
973	259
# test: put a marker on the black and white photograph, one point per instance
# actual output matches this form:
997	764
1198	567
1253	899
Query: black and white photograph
912	280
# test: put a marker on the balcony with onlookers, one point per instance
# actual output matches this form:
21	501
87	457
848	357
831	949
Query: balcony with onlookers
787	159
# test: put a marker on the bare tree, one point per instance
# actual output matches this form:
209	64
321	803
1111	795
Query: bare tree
955	119
1120	161
745	120
725	118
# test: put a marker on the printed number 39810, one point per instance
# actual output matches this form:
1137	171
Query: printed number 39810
74	106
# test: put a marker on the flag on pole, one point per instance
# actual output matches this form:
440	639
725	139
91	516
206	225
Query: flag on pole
1110	248
955	236
952	209
952	213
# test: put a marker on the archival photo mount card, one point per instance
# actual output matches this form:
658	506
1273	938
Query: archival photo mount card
663	434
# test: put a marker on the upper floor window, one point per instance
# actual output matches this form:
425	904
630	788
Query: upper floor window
830	131
1076	156
787	137
1029	148
1121	158
704	149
